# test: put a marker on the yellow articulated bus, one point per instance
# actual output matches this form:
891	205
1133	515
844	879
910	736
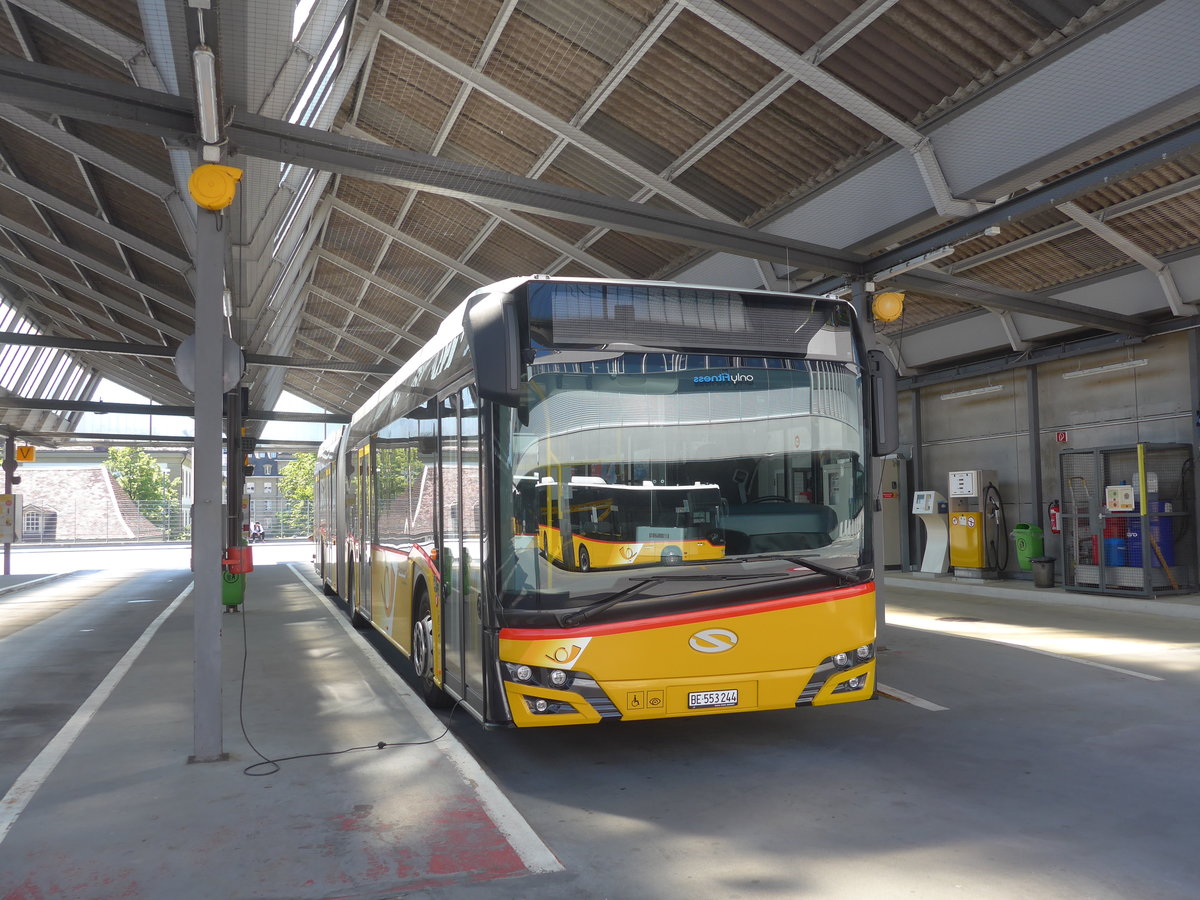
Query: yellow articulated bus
610	525
591	500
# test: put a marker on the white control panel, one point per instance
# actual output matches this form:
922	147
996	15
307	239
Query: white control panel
924	503
964	484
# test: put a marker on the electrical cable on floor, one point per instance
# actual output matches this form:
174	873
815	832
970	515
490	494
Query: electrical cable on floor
274	763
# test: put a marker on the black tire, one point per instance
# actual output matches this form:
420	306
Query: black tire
585	560
422	655
357	619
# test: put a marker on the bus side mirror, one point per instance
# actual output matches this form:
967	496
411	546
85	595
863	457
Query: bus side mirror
494	337
884	403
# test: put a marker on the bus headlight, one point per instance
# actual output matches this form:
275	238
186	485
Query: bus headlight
558	679
865	652
841	660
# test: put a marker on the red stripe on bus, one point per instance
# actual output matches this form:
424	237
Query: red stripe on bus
688	618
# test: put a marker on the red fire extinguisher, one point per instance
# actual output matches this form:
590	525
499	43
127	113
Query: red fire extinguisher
1055	517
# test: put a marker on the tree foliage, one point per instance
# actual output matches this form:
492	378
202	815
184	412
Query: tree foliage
296	488
154	491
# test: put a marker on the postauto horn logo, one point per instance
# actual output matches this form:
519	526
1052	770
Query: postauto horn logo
713	640
726	377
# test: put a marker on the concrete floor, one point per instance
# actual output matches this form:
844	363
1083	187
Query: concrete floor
110	807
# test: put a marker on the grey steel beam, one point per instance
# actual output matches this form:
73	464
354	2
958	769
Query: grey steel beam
151	409
1164	148
988	295
1020	360
131	349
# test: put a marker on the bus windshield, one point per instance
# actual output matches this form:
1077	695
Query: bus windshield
625	463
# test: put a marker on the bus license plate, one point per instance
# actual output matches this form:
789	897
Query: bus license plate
710	699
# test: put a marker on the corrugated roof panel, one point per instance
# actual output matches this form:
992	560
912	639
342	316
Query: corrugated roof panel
507	252
1039	268
1164	228
444	223
799	141
640	256
85	240
603	28
8	39
44	165
921	52
138	212
577	169
68	52
571	231
413	272
458	27
335	280
417	91
455	291
391	307
712	190
686	84
383	201
18	208
123	17
566	72
577	270
489	133
352	240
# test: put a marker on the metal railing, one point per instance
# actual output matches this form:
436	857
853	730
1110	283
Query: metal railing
151	521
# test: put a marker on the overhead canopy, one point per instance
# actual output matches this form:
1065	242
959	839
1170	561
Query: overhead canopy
1026	172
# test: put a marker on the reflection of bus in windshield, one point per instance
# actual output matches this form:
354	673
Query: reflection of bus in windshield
607	526
590	500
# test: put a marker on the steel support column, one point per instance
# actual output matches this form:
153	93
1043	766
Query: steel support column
1034	415
207	523
918	477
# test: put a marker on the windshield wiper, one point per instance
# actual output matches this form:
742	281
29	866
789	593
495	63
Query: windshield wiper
849	576
579	616
854	576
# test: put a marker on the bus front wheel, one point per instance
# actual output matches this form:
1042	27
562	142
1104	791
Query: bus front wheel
585	560
422	655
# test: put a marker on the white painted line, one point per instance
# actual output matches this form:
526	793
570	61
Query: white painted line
1026	647
508	821
1076	659
911	699
44	763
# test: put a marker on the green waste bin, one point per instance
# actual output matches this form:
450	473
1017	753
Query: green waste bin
1029	545
233	589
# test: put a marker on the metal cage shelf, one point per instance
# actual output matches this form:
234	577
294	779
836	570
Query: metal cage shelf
1113	542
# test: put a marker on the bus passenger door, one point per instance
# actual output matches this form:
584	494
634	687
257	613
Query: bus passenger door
459	554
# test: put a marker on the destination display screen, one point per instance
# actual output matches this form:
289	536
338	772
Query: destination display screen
566	314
